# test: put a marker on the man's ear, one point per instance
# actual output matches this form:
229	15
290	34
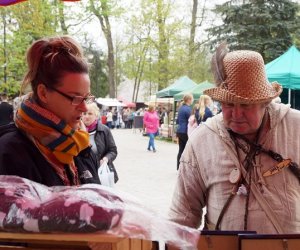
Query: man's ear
42	93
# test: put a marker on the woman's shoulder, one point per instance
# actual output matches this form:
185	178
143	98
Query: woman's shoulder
102	127
18	155
184	108
14	142
10	134
208	111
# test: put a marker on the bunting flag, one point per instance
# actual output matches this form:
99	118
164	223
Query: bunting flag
11	2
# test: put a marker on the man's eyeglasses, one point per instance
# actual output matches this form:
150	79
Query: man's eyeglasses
76	100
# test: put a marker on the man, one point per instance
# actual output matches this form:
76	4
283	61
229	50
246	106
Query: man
242	163
6	110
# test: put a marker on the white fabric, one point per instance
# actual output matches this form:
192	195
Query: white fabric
109	102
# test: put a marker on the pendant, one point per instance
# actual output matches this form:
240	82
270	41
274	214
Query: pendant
242	190
274	170
235	176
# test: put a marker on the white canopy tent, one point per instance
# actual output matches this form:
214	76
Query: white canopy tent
155	100
109	102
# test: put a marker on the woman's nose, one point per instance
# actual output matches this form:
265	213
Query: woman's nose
83	107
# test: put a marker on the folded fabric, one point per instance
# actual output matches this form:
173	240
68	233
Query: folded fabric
27	206
31	207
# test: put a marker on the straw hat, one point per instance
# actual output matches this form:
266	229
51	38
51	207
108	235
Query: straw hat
240	77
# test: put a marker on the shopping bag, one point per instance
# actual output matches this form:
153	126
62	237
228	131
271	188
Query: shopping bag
106	177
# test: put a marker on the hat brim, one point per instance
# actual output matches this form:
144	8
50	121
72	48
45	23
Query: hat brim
224	95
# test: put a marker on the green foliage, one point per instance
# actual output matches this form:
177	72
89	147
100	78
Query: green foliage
181	65
157	38
99	81
154	50
266	26
23	24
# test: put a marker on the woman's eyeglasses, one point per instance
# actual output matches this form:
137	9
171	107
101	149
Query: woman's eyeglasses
76	100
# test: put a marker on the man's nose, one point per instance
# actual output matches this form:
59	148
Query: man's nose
237	112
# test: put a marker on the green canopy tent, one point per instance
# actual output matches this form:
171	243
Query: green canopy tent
285	70
179	85
196	91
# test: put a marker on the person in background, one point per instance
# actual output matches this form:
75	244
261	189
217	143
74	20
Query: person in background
103	117
125	114
131	116
242	164
183	116
192	123
215	108
6	110
101	138
163	118
151	124
47	143
109	118
203	111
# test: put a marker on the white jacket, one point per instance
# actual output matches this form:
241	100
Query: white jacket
207	161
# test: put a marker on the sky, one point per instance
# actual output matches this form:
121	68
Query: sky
94	28
118	28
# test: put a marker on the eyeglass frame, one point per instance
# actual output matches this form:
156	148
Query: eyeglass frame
89	99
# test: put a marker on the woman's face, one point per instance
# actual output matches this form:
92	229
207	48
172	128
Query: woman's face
89	116
72	84
190	101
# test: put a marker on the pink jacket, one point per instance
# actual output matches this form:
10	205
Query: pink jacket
151	122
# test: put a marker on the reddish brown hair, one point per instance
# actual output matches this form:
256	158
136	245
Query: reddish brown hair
49	59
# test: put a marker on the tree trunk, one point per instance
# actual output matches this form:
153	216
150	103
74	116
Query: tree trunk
139	78
192	39
110	62
62	18
163	47
4	47
139	73
103	18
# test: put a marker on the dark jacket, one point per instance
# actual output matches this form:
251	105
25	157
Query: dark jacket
6	113
207	114
184	113
106	146
19	156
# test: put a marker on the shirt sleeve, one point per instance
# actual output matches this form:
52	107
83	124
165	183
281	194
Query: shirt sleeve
189	195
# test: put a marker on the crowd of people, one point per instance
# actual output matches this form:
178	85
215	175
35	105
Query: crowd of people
115	117
241	163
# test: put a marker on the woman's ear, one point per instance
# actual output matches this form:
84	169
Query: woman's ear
42	93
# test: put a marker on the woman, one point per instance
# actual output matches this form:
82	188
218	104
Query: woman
151	123
48	145
101	139
192	122
204	112
184	114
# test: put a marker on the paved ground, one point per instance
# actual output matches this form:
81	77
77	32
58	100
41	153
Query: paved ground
148	176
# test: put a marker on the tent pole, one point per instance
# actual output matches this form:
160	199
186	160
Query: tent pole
289	97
